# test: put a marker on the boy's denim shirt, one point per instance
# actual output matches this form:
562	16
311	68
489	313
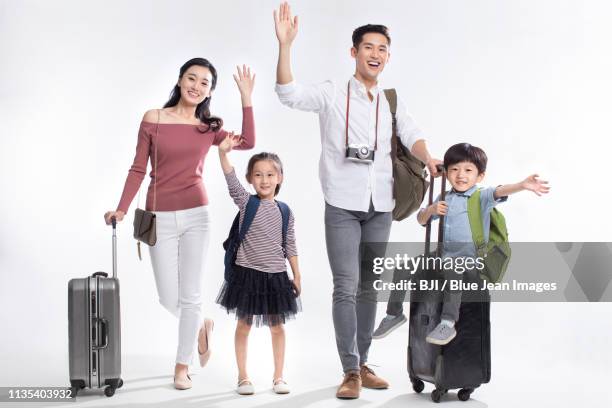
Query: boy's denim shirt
457	232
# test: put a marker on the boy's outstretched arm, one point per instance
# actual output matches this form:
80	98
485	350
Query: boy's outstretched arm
531	183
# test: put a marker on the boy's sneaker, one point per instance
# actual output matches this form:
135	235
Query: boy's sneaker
441	335
387	325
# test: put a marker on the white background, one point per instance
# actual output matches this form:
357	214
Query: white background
528	81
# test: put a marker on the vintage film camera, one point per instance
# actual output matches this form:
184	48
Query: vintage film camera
360	153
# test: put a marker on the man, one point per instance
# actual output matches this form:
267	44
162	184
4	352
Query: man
357	184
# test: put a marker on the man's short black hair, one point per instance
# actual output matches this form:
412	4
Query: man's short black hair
465	152
369	28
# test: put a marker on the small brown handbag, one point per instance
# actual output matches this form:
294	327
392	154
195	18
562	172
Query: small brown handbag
144	221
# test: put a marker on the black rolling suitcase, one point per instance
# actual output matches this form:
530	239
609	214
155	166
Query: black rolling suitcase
94	330
464	363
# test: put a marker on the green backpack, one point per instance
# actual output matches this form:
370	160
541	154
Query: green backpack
496	252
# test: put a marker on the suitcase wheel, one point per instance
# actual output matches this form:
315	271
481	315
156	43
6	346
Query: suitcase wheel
464	393
75	386
437	394
418	386
113	384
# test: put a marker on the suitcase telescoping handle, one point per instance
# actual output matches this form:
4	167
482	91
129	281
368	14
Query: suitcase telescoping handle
441	222
114	223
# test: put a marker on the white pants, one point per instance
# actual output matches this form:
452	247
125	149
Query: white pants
178	258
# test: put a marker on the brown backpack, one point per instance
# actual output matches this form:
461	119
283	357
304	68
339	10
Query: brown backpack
409	174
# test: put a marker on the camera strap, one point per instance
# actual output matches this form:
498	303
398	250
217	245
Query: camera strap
348	97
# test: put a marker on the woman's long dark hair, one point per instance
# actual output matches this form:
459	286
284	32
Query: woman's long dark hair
202	112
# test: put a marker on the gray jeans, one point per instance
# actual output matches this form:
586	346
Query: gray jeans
353	311
395	305
452	298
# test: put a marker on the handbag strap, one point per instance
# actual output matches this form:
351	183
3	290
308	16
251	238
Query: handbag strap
155	167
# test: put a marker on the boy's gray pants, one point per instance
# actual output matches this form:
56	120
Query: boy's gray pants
452	298
353	311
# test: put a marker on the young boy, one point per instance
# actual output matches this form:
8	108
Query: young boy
465	166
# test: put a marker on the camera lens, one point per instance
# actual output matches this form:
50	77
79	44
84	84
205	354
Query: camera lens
362	152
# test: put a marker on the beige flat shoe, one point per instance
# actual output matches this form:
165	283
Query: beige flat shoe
183	383
205	332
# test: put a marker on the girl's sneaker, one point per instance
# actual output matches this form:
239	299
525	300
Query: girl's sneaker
280	386
245	387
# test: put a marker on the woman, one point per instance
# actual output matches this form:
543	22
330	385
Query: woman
177	138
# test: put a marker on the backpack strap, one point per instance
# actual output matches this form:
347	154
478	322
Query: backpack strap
285	212
476	225
249	216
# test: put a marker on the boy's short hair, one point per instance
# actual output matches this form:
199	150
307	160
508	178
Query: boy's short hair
369	28
465	152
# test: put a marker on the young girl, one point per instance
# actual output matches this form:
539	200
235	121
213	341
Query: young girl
258	288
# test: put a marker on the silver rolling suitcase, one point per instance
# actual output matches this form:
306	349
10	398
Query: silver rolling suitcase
94	330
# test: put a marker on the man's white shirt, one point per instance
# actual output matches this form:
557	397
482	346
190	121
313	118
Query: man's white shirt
347	184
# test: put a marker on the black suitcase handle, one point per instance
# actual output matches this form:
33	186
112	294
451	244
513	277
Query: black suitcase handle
114	222
441	169
103	274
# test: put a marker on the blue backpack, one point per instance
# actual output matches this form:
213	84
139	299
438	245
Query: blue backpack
238	232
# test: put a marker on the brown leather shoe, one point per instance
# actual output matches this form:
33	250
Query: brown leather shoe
350	387
371	380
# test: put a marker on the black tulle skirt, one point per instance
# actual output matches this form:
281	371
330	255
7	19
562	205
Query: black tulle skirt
265	298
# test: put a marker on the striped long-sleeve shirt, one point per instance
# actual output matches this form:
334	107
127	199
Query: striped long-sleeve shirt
262	247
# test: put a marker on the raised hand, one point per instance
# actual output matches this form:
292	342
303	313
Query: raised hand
285	25
230	142
246	82
532	183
